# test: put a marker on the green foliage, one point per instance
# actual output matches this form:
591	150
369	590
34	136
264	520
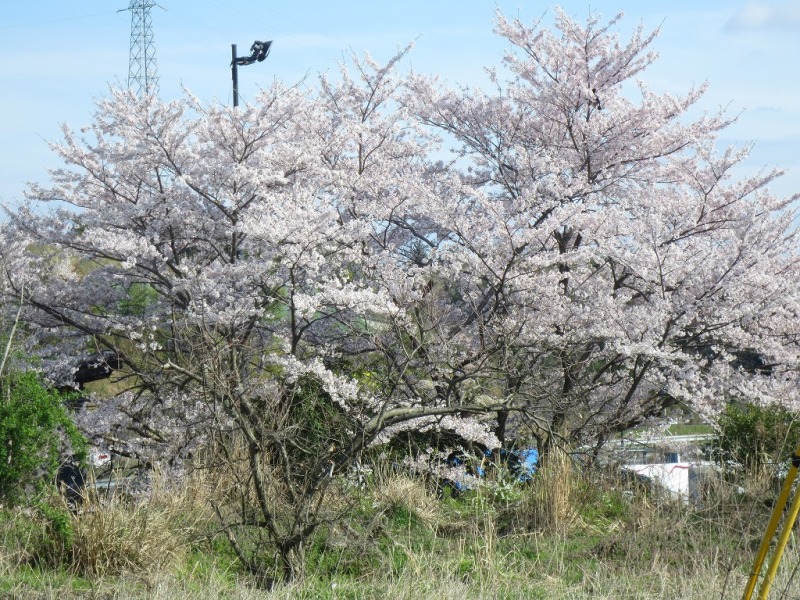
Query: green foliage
39	536
403	518
58	523
755	436
140	296
689	429
320	425
603	507
54	544
34	431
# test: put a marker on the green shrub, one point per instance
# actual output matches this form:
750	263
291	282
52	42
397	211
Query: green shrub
54	544
34	431
755	436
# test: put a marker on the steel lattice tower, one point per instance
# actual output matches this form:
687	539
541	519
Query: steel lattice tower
142	70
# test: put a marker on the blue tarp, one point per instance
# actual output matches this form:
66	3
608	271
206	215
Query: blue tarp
522	463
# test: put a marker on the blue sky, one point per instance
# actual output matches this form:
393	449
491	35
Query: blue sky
56	57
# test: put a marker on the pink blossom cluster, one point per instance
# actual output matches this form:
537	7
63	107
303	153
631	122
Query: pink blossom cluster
557	258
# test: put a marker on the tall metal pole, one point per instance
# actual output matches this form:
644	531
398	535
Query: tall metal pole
234	76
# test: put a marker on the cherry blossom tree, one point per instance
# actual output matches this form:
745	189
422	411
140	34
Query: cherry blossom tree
241	263
609	248
293	282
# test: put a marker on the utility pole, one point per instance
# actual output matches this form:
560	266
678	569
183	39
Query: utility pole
258	52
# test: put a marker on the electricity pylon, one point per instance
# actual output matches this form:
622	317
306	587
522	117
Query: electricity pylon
142	69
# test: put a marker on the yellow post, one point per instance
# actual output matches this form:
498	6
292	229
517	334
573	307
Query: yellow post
788	524
772	527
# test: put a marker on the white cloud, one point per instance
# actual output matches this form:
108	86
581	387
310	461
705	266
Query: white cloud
761	15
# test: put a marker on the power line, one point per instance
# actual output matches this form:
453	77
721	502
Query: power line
50	21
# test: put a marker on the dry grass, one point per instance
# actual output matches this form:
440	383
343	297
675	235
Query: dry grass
113	534
16	543
402	492
642	547
551	503
227	465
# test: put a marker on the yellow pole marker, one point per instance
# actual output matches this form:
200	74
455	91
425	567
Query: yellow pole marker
786	532
772	527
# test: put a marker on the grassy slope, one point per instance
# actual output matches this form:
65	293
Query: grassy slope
596	539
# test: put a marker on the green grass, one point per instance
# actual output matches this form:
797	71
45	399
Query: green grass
33	579
689	429
406	544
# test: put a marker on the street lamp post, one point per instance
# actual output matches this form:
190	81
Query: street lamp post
258	52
